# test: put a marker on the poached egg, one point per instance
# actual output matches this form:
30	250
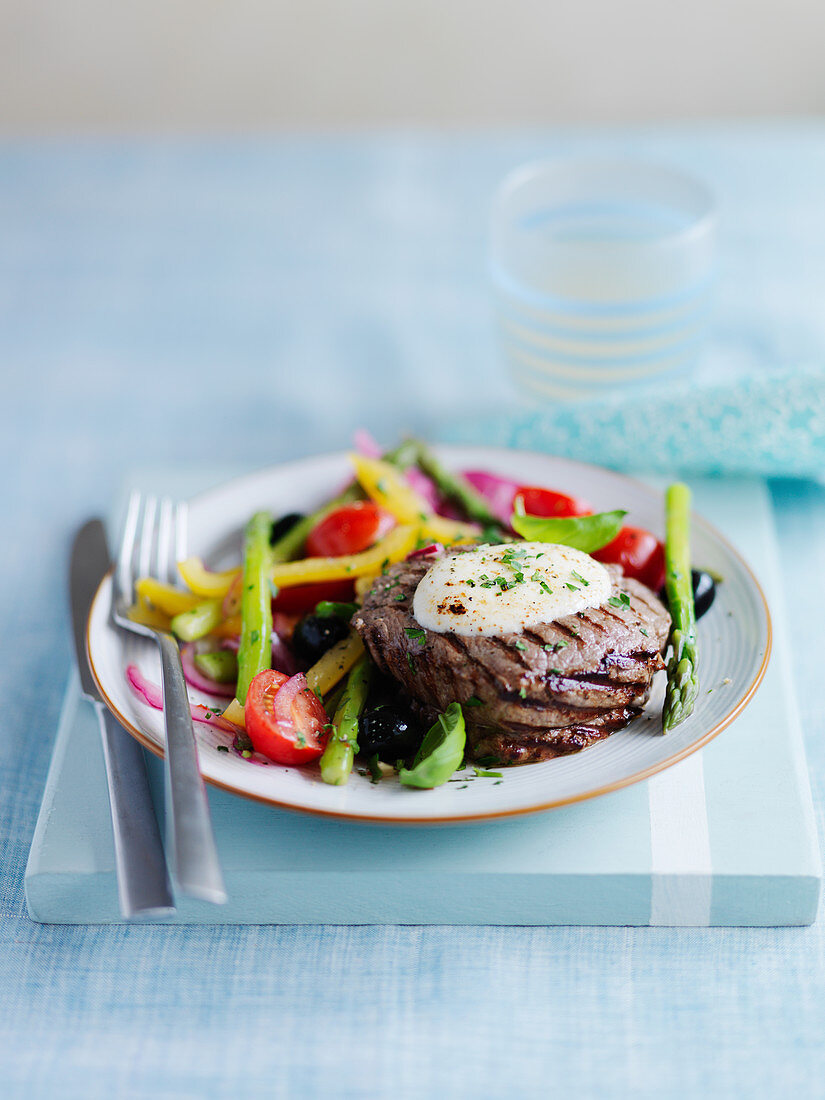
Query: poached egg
508	588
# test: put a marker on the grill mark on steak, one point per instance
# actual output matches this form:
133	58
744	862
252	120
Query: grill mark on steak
559	624
583	617
524	746
595	683
536	639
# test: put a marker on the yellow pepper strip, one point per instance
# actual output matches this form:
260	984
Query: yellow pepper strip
204	583
335	664
235	713
144	613
385	485
164	597
393	547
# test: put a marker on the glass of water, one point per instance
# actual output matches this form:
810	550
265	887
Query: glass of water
602	273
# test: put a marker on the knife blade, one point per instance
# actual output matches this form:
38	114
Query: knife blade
144	889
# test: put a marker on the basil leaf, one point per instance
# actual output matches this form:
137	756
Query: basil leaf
587	533
441	752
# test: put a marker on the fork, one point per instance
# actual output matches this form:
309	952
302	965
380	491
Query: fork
154	538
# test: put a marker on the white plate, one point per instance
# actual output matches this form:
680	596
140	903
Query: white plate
735	639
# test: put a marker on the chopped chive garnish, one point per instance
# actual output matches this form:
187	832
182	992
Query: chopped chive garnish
622	600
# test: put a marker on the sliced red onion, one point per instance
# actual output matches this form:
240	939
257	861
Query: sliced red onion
284	698
365	444
284	623
152	694
194	676
449	511
497	491
424	486
208	717
425	551
282	658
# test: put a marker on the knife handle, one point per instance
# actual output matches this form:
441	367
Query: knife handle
190	839
143	883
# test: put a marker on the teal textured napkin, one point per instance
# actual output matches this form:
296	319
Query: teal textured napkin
770	423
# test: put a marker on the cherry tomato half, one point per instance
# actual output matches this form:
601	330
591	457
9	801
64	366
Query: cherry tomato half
348	530
547	502
284	719
304	597
640	555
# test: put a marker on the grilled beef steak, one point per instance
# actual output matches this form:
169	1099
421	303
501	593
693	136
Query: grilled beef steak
551	690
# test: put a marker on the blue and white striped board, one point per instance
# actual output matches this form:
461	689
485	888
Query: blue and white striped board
726	837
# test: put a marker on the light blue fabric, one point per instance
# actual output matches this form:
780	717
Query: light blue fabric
770	423
171	301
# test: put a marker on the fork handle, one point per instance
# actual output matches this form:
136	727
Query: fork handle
190	840
142	880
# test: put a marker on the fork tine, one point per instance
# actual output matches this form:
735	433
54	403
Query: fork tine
124	580
181	530
147	549
165	544
153	530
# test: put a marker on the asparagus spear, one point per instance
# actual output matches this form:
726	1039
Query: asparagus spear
255	649
338	757
289	545
457	489
682	669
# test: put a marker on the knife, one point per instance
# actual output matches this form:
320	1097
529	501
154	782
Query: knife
143	882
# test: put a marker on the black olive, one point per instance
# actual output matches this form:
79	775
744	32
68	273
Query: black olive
283	526
704	592
314	635
389	730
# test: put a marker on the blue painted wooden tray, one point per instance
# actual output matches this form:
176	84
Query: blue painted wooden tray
724	838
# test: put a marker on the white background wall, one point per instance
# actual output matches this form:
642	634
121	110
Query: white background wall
68	65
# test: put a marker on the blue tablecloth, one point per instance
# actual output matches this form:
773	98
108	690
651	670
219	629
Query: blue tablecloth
177	301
